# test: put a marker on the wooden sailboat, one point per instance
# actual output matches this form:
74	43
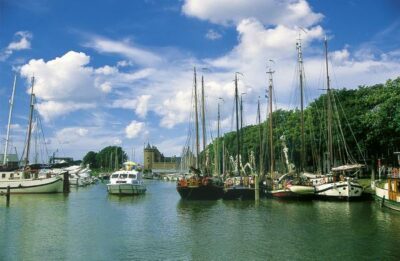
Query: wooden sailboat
198	184
339	183
28	180
291	185
239	186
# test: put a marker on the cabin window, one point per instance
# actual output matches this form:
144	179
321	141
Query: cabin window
123	176
132	176
11	176
3	175
114	176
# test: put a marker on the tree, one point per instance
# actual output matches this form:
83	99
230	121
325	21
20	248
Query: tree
90	158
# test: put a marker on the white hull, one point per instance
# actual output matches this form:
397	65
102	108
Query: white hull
32	186
339	190
302	190
126	189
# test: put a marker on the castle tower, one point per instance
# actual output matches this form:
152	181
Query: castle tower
148	157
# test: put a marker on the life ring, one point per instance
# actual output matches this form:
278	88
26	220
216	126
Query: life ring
229	182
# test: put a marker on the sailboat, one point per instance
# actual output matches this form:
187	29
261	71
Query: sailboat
198	184
239	186
340	182
291	185
28	180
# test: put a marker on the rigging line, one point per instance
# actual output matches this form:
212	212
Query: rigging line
41	128
341	130
352	133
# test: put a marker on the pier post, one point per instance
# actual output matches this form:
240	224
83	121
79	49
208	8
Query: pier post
257	188
8	196
66	182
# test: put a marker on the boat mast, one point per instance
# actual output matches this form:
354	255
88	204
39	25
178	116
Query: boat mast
260	134
9	120
196	119
237	124
329	109
271	140
30	123
303	145
217	151
203	122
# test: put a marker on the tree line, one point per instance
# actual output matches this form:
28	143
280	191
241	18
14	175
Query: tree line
366	120
109	158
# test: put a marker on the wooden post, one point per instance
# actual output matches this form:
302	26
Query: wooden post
8	196
66	183
257	188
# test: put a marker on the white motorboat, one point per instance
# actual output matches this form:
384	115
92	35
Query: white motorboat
21	183
127	182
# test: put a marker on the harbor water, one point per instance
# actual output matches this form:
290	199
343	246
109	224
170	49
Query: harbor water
89	224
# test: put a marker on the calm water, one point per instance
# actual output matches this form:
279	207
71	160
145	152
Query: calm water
91	225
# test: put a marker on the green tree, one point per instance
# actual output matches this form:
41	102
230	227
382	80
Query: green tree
90	158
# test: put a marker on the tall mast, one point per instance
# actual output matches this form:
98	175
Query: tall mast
196	118
30	123
203	125
260	134
9	121
303	145
271	140
237	124
217	151
329	109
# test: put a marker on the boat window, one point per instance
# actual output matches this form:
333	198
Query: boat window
132	176
123	176
3	175
114	176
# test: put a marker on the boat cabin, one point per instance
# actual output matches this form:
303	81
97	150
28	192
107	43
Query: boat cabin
121	177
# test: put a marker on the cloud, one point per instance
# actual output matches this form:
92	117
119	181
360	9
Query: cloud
269	12
140	104
134	129
71	134
126	49
213	35
53	109
22	42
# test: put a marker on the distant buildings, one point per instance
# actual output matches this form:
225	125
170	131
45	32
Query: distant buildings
155	160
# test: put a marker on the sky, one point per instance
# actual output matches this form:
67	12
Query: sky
121	72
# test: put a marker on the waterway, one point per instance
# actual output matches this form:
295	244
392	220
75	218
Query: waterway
88	224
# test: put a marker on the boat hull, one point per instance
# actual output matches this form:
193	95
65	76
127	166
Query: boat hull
33	186
238	192
341	190
126	189
208	192
294	192
382	196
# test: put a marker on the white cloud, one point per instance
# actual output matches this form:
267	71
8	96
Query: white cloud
125	48
22	42
213	35
140	104
134	129
71	134
284	12
53	109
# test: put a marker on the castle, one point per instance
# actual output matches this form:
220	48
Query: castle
155	160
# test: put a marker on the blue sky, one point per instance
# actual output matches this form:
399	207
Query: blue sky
120	72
